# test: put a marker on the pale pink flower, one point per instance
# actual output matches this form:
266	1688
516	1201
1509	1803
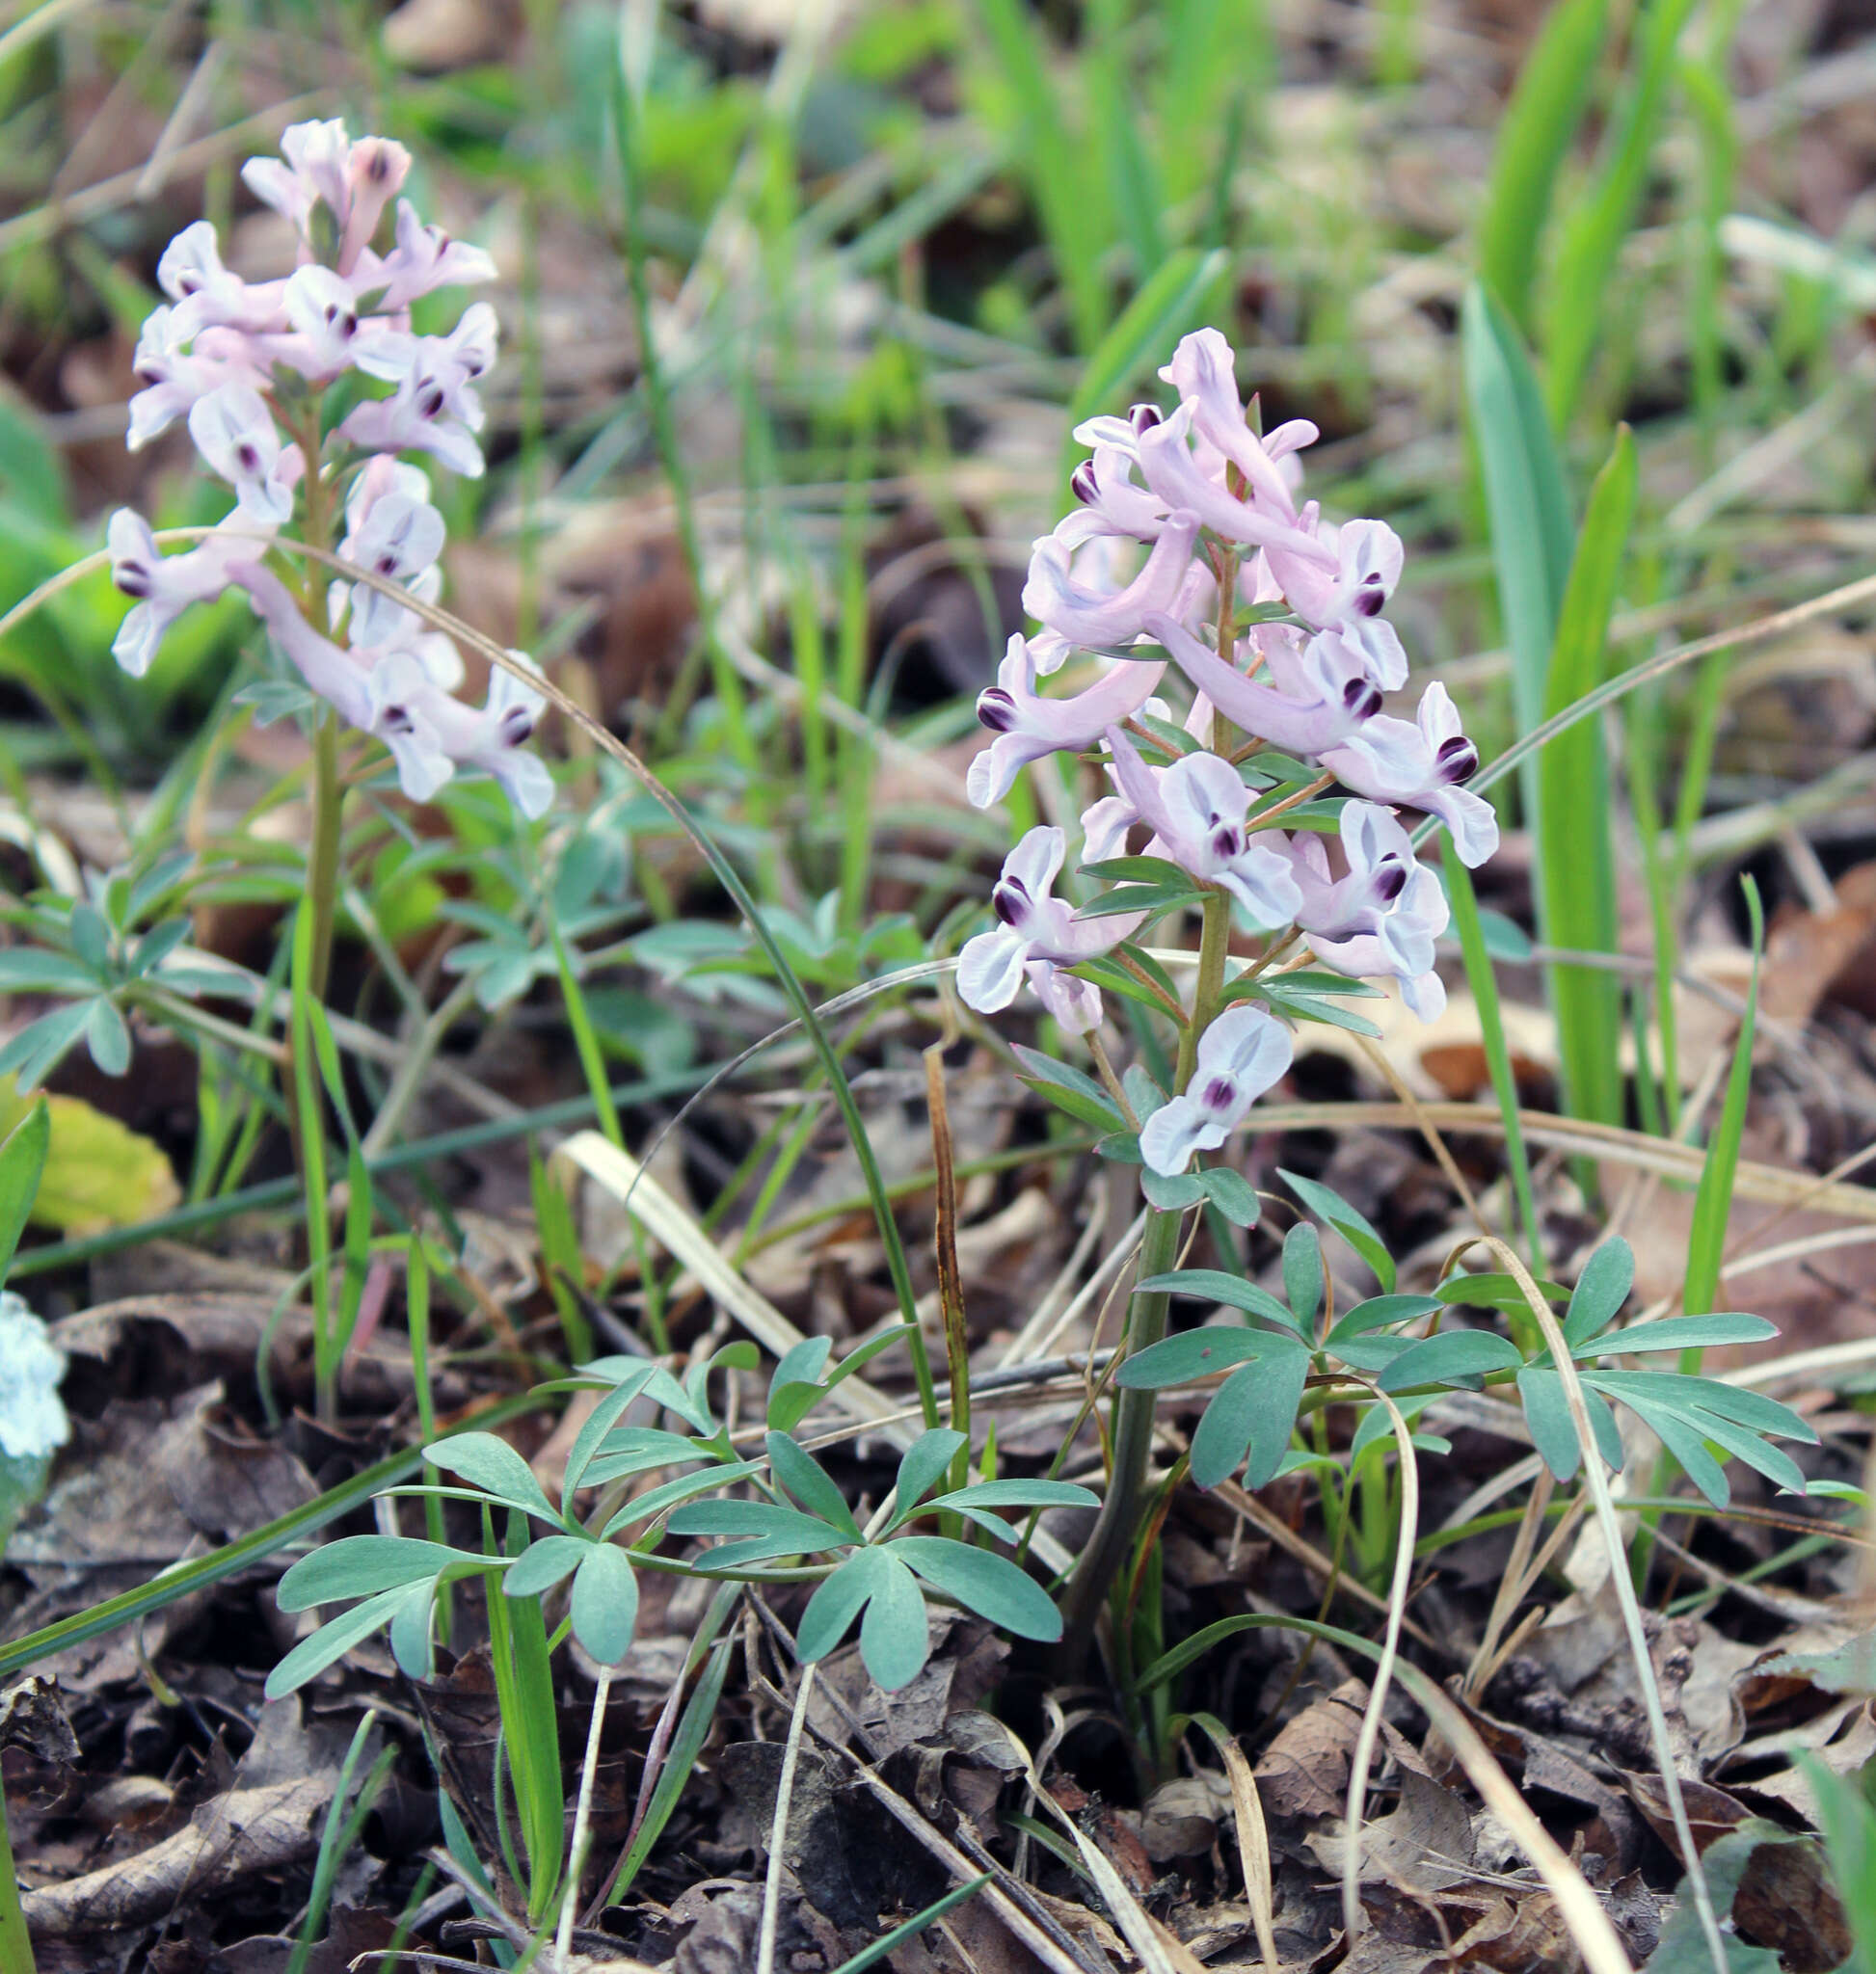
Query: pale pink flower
1241	1056
1037	938
1422	764
1030	727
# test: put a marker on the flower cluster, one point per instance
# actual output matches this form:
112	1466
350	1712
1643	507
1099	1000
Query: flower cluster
1189	549
244	362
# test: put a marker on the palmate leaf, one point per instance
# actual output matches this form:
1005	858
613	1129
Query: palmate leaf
803	1477
1232	1193
1328	1205
362	1567
683	1488
1067	1087
1494	1291
992	1587
332	1641
1680	1333
1451	1355
1170	1192
496	1468
1213	1285
1250	1418
605	1604
1378	1313
544	1563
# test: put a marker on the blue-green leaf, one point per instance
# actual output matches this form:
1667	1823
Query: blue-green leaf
544	1563
1451	1355
1328	1205
1602	1290
988	1585
1196	1353
495	1467
1213	1285
1250	1418
803	1477
605	1604
362	1567
894	1639
923	1463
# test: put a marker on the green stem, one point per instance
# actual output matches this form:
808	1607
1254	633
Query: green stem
16	1947
322	865
1123	1510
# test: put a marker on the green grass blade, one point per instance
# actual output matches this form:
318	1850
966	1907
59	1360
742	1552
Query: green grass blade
1593	233
1576	888
1527	504
1484	982
220	1564
518	1657
909	1930
1533	139
1067	195
1713	1201
693	1730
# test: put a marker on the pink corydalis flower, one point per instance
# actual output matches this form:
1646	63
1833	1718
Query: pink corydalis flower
1030	727
1080	614
1196	810
1036	937
1241	1056
1422	764
1381	917
1326	697
394	700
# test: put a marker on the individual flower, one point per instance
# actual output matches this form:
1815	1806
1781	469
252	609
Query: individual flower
1171	469
1196	810
1084	615
33	1421
1037	938
1349	598
177	379
396	535
353	183
1030	727
1422	763
1111	501
1326	697
394	699
1383	916
1203	371
234	433
208	295
1240	1057
164	586
424	258
434	408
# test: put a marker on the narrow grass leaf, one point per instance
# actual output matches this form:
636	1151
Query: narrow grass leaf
1575	840
1527	504
1534	138
1713	1200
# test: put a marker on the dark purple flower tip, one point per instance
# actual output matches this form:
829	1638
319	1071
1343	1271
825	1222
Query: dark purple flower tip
1370	596
133	579
995	710
1143	417
1391	879
387	565
1227	842
1010	900
430	401
247	458
516	726
1362	698
1458	758
1082	482
1219	1094
377	163
396	719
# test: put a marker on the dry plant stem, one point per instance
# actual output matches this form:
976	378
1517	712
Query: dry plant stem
1370	1720
778	1830
1122	1508
1598	1484
951	1290
582	1816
